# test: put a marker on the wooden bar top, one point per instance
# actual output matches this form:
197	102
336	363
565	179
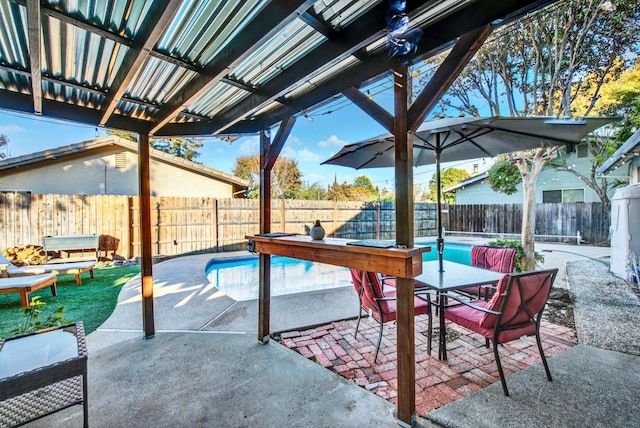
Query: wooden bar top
398	262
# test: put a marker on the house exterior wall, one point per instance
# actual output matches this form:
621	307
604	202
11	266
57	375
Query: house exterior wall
98	175
549	179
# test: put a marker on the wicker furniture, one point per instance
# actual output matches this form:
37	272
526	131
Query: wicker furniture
42	373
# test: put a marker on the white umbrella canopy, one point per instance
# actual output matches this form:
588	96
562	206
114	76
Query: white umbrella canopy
459	138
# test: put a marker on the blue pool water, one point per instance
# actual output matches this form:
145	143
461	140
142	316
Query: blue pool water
238	278
454	252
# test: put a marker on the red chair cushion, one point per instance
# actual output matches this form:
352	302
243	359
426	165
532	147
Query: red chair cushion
497	259
421	307
470	318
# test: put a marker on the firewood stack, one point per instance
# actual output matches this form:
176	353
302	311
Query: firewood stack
25	255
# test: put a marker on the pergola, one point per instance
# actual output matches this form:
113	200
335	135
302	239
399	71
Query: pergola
227	68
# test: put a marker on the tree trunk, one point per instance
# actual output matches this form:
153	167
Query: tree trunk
528	223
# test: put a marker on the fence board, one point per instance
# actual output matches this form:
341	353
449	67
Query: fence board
200	224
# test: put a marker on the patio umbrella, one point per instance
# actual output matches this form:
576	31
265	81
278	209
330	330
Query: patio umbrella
460	138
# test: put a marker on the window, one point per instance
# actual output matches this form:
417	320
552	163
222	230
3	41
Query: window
583	151
573	195
565	196
551	196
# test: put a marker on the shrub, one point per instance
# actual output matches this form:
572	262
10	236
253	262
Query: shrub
517	245
32	314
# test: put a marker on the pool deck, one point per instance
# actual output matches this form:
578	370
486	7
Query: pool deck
205	367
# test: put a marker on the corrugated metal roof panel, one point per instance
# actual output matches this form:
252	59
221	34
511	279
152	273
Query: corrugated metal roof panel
14	82
158	80
341	13
13	34
217	99
201	29
287	47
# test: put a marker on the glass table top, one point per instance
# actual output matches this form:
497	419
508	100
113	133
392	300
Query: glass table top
38	350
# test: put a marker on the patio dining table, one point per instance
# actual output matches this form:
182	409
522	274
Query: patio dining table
454	276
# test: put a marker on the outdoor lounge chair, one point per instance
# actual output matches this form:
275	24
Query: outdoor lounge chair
381	305
26	284
497	259
7	269
514	311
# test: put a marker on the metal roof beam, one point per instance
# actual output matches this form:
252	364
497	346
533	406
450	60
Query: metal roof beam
60	110
438	37
155	23
352	39
77	22
34	23
281	13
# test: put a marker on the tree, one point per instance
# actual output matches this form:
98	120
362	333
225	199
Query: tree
448	177
182	148
544	65
504	177
286	178
364	183
313	192
4	145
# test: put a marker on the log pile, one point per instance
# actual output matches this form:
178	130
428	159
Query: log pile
25	255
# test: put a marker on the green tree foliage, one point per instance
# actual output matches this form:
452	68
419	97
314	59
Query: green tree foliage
286	178
313	192
364	182
4	144
360	190
448	177
182	148
543	64
504	177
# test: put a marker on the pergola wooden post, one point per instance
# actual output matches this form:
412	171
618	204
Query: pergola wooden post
268	155
404	237
406	119
146	271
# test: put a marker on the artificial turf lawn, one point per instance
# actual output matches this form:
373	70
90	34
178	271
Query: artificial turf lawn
91	303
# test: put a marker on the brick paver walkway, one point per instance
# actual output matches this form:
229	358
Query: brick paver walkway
470	367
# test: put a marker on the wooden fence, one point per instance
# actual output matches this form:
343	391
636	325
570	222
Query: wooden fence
183	225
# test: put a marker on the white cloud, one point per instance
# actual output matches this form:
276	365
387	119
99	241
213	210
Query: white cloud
250	147
332	141
305	155
11	129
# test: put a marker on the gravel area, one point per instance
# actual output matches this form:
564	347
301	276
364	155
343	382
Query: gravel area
606	308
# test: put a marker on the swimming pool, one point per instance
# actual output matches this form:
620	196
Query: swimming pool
238	278
454	252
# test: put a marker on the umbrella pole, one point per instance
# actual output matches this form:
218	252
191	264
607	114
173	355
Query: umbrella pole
439	240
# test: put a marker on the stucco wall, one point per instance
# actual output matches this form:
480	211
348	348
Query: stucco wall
549	179
98	176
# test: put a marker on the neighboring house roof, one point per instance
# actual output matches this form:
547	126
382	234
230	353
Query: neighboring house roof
627	151
466	182
107	143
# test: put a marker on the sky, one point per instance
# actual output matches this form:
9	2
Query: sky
310	143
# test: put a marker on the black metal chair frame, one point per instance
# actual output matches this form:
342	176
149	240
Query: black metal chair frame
379	310
523	307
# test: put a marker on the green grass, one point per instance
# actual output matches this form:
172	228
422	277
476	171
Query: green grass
92	303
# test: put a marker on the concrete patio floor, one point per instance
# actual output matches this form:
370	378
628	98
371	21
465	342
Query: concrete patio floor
205	368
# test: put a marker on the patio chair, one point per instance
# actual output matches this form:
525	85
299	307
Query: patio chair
381	305
497	259
514	311
8	270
